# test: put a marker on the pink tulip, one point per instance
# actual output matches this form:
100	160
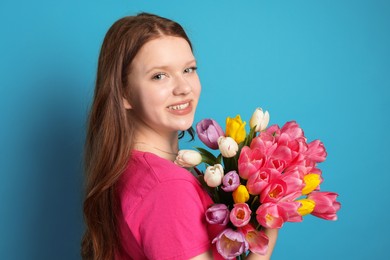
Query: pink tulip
273	215
326	205
250	161
283	187
230	244
293	130
270	215
217	214
258	181
273	130
284	154
273	192
279	165
290	151
316	151
294	182
313	169
265	143
230	181
291	210
208	132
240	215
257	240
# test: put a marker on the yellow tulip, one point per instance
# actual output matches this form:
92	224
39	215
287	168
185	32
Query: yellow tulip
241	194
307	206
235	128
312	180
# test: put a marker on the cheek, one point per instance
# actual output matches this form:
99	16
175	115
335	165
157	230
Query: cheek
149	93
196	87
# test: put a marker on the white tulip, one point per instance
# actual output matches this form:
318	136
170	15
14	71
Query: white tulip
227	146
259	119
213	175
188	158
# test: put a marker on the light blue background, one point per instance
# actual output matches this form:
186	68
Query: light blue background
325	64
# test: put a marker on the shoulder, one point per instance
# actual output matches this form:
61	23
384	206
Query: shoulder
165	170
148	175
156	169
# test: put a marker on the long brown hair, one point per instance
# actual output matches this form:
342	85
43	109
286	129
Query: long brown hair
111	128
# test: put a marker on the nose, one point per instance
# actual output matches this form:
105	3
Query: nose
182	86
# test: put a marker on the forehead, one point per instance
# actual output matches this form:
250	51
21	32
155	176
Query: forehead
163	51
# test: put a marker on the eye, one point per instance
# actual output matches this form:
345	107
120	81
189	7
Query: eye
159	76
190	69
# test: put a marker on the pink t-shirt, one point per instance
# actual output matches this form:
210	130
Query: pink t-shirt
163	211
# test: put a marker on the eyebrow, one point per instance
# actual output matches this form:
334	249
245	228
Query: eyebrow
165	67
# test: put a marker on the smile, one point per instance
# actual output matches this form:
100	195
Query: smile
179	107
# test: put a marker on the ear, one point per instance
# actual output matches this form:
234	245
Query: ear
126	103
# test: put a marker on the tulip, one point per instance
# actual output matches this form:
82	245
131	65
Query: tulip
294	184
241	194
230	243
265	142
188	158
208	132
250	161
291	210
270	215
257	182
316	151
307	206
259	120
227	146
240	214
283	154
235	128
273	192
230	181
274	131
312	180
293	131
257	240
213	175
218	214
326	205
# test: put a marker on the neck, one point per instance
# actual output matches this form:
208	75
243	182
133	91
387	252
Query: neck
165	146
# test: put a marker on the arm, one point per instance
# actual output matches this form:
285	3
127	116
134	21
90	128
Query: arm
272	236
205	256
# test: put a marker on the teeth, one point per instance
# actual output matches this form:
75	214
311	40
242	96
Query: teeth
179	107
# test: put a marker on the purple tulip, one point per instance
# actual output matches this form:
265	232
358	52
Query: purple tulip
208	132
217	214
230	181
231	243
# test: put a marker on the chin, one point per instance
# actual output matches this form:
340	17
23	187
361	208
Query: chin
183	126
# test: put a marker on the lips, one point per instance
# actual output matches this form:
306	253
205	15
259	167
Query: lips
181	108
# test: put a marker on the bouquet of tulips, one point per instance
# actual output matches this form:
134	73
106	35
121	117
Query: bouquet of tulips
259	179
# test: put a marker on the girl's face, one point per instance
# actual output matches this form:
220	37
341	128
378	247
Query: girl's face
165	87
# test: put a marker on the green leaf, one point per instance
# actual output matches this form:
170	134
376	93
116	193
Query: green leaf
219	158
250	137
207	157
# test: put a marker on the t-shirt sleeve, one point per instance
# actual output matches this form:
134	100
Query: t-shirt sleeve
173	225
